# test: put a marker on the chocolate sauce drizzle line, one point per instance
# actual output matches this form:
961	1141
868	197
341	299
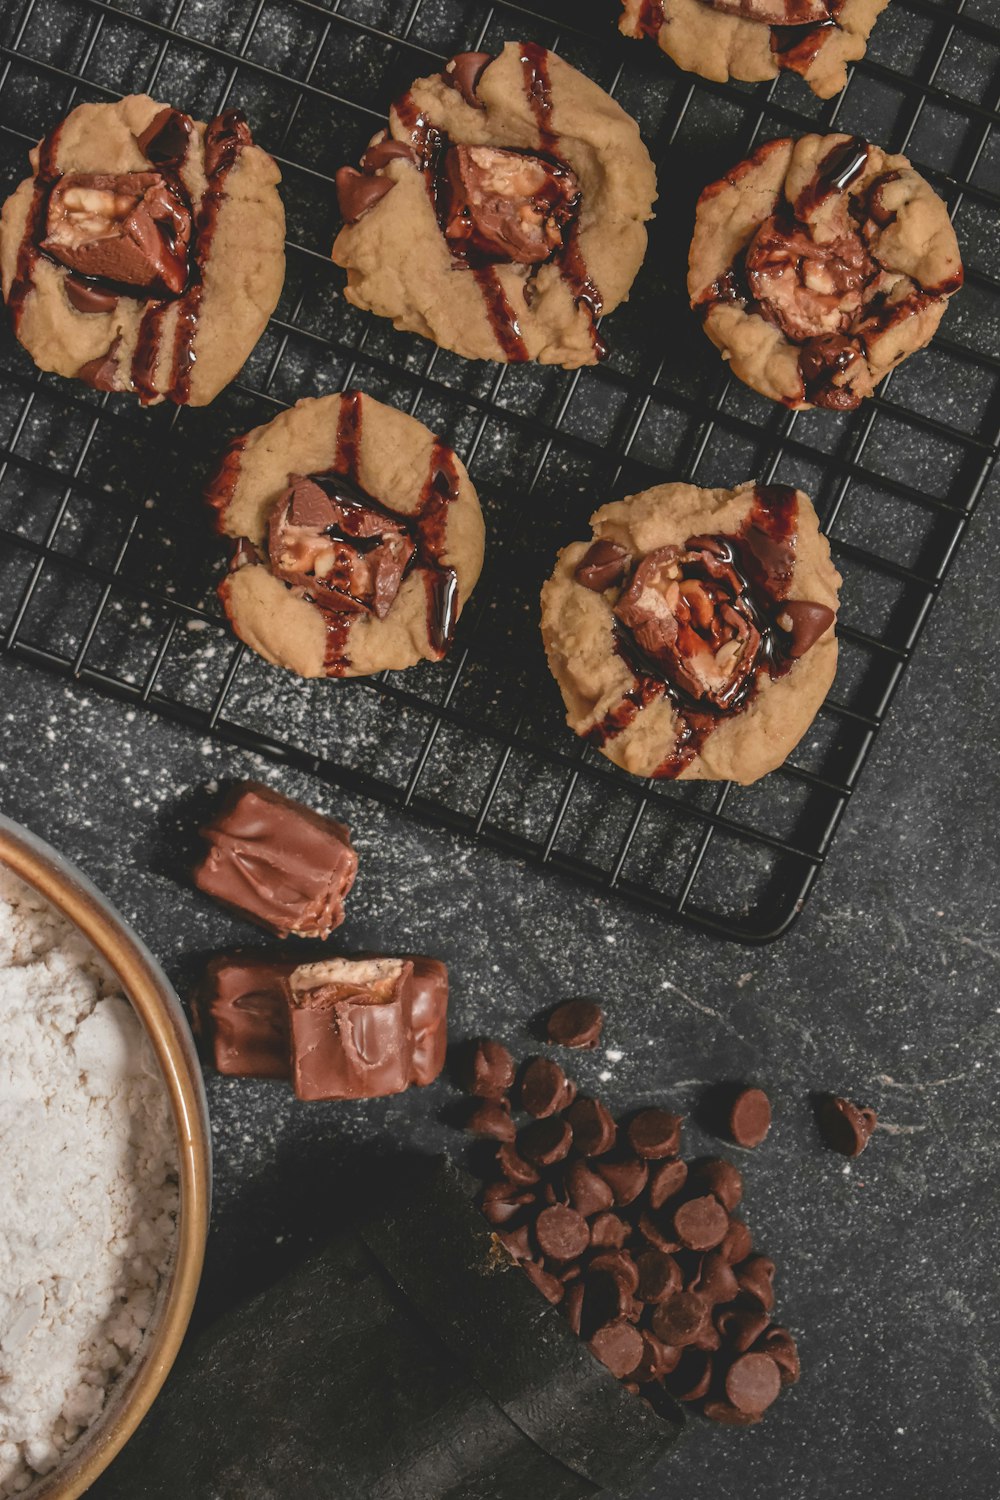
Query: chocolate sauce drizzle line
146	356
28	252
426	527
763	588
430	143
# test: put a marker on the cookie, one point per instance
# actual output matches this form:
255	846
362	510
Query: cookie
818	265
757	39
146	251
358	538
692	637
502	212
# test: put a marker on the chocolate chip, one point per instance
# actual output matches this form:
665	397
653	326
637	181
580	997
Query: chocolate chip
737	1244
102	373
721	1179
517	1242
666	1180
692	1377
721	1411
741	1327
463	72
545	1282
701	1223
659	1276
779	1345
626	1179
608	1231
607	1297
716	1280
357	193
492	1119
603	565
514	1167
846	1127
561	1232
680	1319
657	1358
756	1276
502	1201
594	1130
576	1023
619	1346
588	1193
805	622
655	1235
544	1087
489	1070
573	1305
752	1383
544	1142
382	152
166	137
619	1263
750	1117
87	297
655	1133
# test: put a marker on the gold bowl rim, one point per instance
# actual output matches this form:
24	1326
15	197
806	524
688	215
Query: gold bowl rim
156	1003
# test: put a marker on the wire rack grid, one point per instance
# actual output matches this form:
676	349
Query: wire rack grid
107	570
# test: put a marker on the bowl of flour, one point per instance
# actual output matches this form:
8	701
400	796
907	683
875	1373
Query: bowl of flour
104	1190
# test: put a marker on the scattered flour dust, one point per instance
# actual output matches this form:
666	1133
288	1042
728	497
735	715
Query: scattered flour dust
88	1189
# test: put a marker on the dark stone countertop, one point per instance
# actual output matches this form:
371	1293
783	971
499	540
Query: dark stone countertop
885	990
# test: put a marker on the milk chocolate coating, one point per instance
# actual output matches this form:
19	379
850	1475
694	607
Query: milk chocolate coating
129	228
241	1016
278	863
365	1028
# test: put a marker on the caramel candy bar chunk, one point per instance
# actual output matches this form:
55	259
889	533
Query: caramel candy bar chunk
241	1016
131	228
364	1028
278	863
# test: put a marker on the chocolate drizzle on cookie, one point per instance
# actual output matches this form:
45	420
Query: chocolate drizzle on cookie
226	137
827	293
133	234
46	175
334	544
703	624
496	205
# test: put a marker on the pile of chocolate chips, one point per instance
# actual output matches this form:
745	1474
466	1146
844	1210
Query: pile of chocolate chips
640	1250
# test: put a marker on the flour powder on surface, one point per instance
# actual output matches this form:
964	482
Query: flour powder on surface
88	1184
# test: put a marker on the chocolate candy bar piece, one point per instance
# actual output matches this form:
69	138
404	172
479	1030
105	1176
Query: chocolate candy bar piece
428	1018
365	1028
278	863
241	1016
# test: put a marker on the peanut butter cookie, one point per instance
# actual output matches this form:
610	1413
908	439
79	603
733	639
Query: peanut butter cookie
146	252
819	265
502	212
693	637
358	538
757	39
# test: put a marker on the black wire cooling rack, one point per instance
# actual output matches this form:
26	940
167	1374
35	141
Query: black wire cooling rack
108	566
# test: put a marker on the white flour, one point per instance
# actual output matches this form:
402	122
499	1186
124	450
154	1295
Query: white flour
88	1191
